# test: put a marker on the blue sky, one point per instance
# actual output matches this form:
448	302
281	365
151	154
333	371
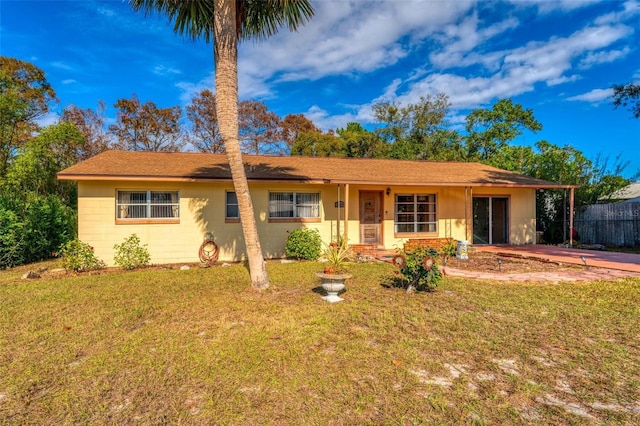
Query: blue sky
559	58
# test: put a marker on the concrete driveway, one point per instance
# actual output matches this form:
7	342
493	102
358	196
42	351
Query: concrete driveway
601	259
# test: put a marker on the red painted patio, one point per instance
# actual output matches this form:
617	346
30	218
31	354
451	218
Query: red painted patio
601	259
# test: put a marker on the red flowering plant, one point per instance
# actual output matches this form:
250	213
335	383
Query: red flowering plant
78	257
419	269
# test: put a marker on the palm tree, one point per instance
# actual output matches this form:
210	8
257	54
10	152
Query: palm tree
226	22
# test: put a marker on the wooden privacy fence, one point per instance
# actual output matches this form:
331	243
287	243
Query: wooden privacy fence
609	224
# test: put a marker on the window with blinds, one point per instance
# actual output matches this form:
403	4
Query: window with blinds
415	213
147	205
231	203
294	205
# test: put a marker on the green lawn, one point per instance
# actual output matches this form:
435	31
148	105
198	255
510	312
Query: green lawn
201	347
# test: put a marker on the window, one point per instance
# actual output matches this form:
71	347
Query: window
147	205
415	213
233	212
294	205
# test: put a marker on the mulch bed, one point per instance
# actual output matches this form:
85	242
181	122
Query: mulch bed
488	262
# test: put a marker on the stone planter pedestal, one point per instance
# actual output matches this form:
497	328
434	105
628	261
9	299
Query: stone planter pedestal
333	284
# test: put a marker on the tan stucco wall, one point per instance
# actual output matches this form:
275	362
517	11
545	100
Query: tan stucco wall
202	210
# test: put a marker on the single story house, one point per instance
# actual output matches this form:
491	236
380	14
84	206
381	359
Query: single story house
172	201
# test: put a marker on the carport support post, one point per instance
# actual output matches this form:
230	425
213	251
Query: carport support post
571	202
338	221
346	213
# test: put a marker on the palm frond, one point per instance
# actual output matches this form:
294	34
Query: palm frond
262	19
191	18
257	19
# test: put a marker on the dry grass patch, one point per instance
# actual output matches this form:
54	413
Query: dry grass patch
201	347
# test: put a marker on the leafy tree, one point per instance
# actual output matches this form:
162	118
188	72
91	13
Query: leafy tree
489	130
294	124
419	131
393	120
233	21
25	95
145	127
92	125
627	95
259	129
519	159
34	169
313	144
37	211
204	121
361	143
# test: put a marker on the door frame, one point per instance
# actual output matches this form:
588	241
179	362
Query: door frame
380	221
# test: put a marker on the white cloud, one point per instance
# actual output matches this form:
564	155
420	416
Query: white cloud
548	6
562	80
346	38
354	38
459	39
520	70
325	121
603	57
594	96
163	70
69	81
61	65
189	90
631	9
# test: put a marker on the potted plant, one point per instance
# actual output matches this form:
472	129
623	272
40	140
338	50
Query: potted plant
336	257
333	277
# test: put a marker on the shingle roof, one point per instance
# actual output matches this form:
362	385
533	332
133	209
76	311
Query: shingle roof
182	166
629	192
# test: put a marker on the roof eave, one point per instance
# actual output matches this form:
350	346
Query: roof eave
147	178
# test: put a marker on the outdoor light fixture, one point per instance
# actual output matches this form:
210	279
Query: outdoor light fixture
584	260
388	191
499	264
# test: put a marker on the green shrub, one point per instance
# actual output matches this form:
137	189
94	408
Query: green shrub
419	268
131	254
304	244
32	227
448	250
78	256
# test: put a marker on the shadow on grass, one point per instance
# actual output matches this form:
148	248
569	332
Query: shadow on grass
403	284
319	290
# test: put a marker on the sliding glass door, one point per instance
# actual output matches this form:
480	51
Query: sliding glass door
490	220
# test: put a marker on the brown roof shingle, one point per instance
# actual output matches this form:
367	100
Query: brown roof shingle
183	166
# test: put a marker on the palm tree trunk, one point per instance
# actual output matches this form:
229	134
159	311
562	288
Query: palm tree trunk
226	63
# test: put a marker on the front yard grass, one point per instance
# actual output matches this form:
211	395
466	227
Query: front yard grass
201	347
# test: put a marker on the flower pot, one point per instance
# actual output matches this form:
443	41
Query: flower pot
332	285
